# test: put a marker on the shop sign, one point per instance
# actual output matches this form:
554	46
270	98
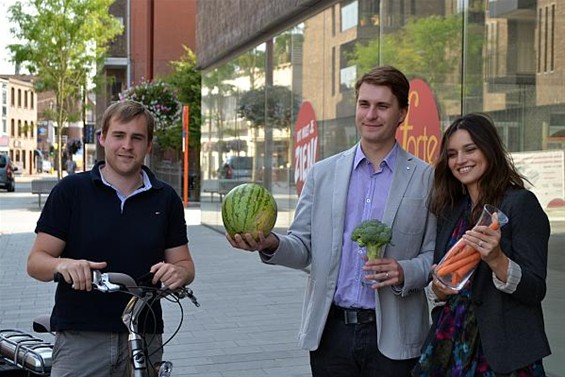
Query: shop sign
420	132
306	151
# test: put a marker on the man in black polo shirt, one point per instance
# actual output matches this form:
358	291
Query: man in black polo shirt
117	217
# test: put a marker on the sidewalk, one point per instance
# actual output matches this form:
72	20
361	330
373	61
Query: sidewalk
248	320
247	323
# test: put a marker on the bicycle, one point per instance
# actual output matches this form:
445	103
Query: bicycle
33	355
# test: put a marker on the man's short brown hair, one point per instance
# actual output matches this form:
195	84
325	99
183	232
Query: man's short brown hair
389	76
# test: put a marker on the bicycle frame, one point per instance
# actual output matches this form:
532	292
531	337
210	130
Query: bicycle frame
141	297
33	354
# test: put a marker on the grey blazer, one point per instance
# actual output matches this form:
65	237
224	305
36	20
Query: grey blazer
315	239
511	325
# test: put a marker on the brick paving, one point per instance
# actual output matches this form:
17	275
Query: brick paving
248	320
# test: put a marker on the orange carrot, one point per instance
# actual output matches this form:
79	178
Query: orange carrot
467	250
460	251
495	223
444	270
462	271
454	251
455	278
461	258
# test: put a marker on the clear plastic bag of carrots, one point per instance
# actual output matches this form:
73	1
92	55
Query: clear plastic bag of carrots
459	263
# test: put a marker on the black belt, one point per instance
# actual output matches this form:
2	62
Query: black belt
352	316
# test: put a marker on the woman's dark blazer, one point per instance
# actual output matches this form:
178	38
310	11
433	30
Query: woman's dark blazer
511	326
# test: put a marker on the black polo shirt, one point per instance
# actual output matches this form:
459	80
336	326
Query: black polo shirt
88	215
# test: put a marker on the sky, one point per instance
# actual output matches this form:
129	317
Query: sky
5	38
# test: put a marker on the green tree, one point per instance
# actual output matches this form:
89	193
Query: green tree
429	47
186	81
268	107
286	43
278	112
251	64
61	42
218	88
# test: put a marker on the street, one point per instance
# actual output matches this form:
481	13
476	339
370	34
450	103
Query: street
250	312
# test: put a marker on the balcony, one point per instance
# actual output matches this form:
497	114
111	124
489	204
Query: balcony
512	9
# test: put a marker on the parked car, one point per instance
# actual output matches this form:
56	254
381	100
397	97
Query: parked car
236	167
7	173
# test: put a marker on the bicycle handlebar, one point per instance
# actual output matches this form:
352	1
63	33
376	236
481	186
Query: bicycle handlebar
143	293
119	282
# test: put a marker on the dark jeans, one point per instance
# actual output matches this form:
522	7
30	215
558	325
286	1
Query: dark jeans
350	350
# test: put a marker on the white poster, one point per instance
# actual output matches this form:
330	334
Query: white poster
546	171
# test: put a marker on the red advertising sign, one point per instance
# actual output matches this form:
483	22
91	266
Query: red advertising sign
420	132
306	151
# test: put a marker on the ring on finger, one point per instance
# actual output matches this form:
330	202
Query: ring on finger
387	275
481	244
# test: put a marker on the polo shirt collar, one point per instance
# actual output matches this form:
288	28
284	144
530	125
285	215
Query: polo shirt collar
148	176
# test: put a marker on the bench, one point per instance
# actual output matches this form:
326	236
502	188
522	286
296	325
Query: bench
220	186
42	186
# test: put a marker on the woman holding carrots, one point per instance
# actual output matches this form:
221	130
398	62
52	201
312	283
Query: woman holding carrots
492	326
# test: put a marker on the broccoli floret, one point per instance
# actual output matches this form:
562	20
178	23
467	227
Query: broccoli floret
373	235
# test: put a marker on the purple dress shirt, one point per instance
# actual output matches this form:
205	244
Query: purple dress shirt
366	199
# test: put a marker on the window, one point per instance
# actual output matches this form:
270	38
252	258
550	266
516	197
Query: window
116	89
546	29
557	125
348	71
539	54
347	77
334	64
349	15
552	40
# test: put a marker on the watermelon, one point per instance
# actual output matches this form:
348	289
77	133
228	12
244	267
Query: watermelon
249	208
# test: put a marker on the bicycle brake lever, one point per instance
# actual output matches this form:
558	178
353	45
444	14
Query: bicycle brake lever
113	282
102	284
187	292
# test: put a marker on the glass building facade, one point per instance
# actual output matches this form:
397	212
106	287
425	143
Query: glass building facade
504	58
290	101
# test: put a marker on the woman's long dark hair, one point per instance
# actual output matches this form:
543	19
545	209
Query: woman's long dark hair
500	174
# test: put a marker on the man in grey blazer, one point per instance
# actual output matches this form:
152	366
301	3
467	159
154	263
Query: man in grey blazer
352	329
